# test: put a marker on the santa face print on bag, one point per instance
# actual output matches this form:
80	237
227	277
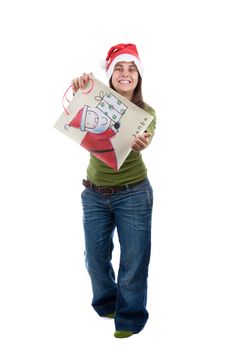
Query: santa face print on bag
99	129
96	123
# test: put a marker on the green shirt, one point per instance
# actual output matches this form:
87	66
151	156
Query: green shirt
132	170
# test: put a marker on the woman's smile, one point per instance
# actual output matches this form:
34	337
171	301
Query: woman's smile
124	81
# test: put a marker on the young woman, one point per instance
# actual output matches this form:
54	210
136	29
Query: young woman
123	200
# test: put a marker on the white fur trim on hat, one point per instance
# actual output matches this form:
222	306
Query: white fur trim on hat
103	64
124	58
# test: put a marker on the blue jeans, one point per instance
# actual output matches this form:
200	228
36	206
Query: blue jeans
129	211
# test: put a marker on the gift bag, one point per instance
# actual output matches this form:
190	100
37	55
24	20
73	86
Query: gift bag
103	122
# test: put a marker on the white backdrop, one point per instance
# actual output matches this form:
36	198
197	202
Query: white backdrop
45	293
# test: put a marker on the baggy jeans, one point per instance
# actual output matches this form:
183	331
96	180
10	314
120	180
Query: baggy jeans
130	212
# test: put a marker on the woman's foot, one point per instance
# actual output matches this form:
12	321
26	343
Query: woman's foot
110	315
123	334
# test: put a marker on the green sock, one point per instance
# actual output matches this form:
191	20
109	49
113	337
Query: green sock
123	334
110	315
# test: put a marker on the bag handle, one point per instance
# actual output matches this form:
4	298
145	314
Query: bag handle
82	90
65	97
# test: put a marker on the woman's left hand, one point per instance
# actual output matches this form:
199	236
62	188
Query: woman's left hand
140	142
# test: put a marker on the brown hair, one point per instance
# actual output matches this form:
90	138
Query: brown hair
137	96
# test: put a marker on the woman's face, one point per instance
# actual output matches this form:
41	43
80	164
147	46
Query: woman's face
125	78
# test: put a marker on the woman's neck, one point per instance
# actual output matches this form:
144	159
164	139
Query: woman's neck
128	95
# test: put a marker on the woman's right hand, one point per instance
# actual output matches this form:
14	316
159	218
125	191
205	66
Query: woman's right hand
81	82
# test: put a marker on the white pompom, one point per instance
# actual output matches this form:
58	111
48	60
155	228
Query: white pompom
103	64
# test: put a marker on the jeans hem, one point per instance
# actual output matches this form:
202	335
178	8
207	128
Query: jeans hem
125	325
105	309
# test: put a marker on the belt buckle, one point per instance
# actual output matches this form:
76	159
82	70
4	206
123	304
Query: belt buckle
107	191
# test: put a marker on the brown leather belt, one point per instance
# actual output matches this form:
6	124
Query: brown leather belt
106	190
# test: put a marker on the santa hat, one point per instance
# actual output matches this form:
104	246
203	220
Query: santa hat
79	120
122	53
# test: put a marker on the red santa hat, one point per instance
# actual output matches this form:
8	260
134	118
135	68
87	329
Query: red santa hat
122	53
79	120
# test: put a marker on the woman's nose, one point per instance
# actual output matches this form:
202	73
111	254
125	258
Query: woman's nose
125	74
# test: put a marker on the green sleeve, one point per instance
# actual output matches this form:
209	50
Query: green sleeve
152	126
